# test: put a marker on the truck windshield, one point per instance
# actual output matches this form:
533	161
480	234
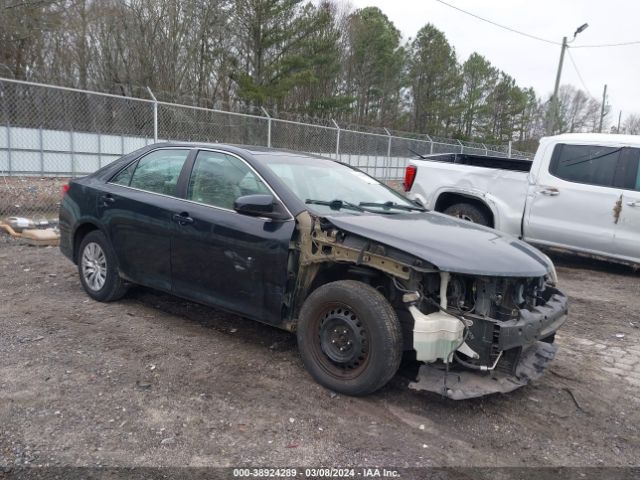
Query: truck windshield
325	185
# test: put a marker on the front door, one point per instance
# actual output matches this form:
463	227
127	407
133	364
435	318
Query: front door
136	207
573	203
221	257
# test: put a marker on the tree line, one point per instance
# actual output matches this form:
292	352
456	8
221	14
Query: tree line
320	59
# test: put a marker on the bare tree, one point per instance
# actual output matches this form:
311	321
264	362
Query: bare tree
632	125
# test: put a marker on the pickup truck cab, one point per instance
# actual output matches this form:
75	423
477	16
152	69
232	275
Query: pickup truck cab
581	193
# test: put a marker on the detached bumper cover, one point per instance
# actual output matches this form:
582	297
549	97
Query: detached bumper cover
470	384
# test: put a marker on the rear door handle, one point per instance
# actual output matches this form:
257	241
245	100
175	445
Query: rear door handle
182	218
550	191
108	199
634	203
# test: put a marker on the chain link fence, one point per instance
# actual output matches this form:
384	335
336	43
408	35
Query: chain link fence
49	134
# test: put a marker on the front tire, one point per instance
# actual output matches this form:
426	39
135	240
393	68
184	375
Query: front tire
97	266
349	337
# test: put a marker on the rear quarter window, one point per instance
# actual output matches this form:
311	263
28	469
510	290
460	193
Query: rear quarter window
156	172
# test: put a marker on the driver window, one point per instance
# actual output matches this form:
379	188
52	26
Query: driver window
218	179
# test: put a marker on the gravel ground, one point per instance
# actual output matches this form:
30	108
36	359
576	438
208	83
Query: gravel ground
154	380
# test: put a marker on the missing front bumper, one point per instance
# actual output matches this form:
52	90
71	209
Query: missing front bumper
465	384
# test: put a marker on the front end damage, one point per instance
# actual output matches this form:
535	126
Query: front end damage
472	334
506	329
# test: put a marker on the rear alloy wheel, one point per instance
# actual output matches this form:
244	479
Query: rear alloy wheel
93	266
468	212
97	268
349	337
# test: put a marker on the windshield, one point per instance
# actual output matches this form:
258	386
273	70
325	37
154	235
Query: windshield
328	186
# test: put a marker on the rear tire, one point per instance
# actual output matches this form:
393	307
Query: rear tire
349	337
469	212
97	266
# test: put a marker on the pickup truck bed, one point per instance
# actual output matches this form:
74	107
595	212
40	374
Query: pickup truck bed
502	163
497	187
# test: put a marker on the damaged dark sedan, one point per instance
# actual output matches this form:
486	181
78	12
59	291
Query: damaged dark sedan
360	273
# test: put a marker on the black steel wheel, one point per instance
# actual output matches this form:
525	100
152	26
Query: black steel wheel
349	337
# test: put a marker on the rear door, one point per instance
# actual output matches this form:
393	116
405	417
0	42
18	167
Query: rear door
136	208
573	203
627	232
221	257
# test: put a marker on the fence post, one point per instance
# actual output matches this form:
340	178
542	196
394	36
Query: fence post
155	115
486	150
41	151
388	166
461	146
73	154
100	150
266	114
9	166
337	139
430	144
509	148
6	116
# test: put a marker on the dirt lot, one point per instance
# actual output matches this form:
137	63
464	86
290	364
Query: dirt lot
154	380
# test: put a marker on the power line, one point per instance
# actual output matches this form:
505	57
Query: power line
623	44
575	67
499	25
546	40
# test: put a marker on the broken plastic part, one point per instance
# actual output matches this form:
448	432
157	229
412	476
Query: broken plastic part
470	384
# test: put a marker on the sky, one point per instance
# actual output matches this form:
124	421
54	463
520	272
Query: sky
531	62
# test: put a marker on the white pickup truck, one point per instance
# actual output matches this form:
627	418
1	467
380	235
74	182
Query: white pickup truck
580	193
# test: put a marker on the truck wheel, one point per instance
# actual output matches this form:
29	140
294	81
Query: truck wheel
349	337
469	212
97	268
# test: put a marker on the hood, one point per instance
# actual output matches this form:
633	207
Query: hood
450	244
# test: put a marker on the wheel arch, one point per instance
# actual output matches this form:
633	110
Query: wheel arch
331	272
79	233
449	198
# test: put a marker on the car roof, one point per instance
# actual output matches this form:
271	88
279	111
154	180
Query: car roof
255	150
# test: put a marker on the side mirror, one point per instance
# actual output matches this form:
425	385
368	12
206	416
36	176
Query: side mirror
259	206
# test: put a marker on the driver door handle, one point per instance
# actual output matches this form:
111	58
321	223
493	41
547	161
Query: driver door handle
549	191
182	218
107	199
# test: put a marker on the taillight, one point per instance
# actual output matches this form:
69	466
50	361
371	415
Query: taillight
65	189
409	177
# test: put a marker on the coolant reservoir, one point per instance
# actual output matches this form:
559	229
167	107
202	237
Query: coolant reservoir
435	335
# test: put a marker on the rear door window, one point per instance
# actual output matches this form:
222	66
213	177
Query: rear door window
156	172
588	164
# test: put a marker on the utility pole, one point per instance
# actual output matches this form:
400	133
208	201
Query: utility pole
604	101
619	118
554	104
